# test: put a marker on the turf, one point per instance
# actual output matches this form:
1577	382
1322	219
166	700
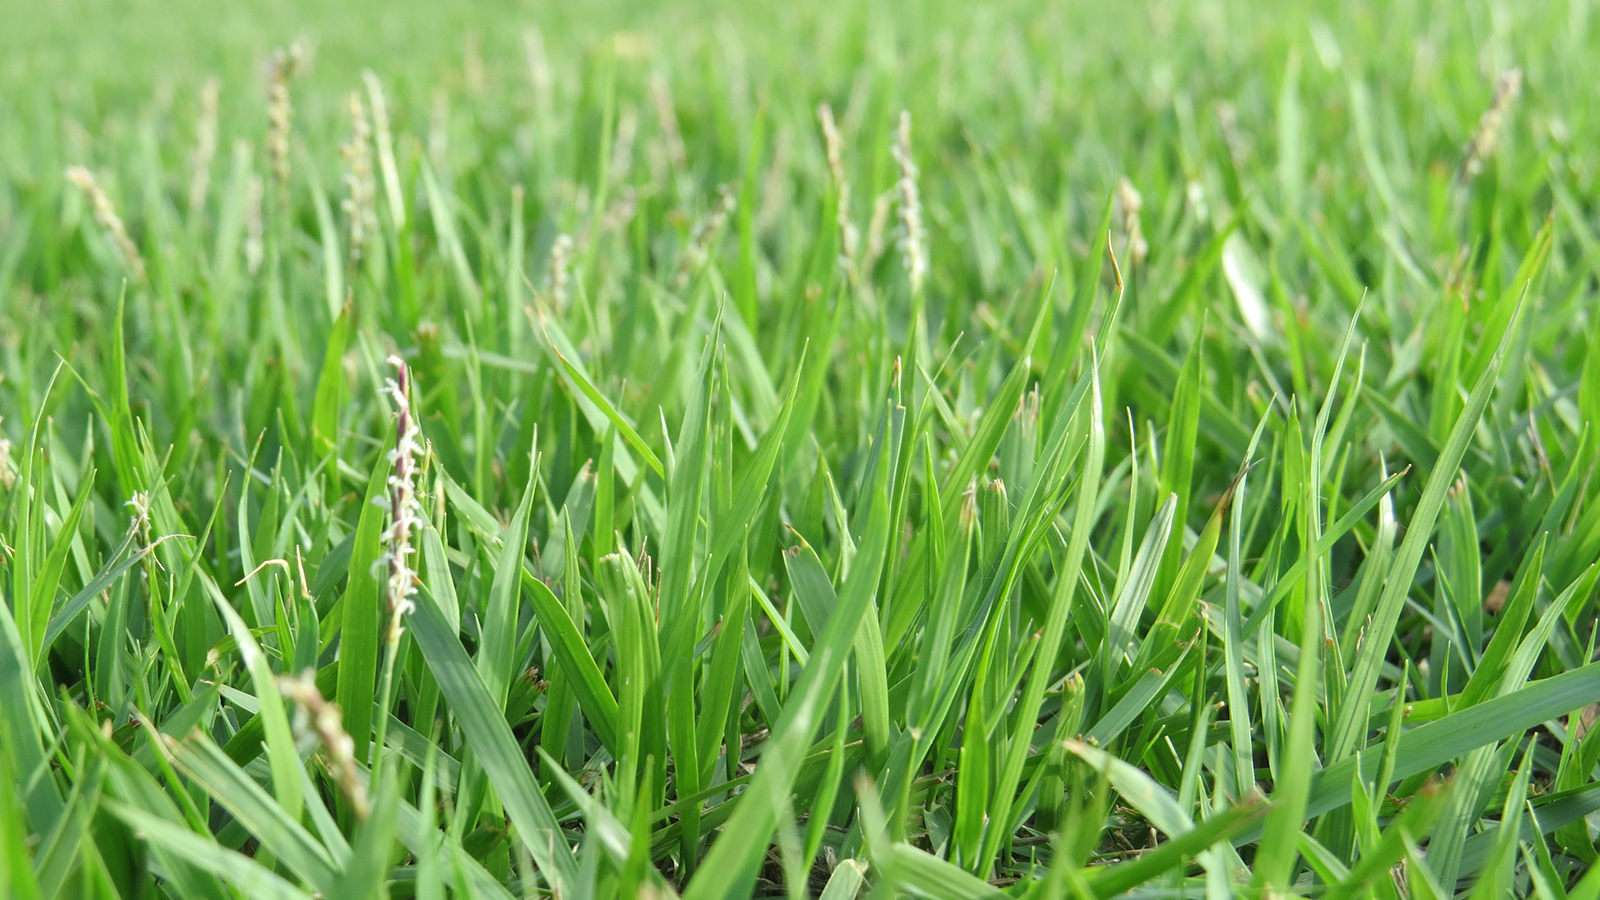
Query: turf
842	450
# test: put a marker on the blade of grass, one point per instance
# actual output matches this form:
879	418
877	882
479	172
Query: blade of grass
483	722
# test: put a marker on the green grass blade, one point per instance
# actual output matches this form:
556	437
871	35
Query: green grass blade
1350	720
271	823
242	872
483	722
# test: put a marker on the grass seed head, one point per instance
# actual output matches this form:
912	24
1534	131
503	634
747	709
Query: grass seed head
1128	204
913	242
849	240
315	715
620	212
380	109
404	506
561	252
139	506
360	204
205	145
8	470
622	145
1487	135
106	215
439	129
280	111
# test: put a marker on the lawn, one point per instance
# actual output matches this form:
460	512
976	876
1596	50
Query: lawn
801	450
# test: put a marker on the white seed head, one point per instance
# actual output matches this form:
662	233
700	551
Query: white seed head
561	252
1127	204
8	470
360	203
849	240
913	241
205	145
280	111
139	506
404	506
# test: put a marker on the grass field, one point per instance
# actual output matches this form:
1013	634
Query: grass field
842	450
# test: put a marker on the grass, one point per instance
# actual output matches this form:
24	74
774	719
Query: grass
794	450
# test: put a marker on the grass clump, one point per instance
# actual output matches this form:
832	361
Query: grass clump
626	458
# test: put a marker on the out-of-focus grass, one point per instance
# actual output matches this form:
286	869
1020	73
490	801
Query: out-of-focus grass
1215	515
